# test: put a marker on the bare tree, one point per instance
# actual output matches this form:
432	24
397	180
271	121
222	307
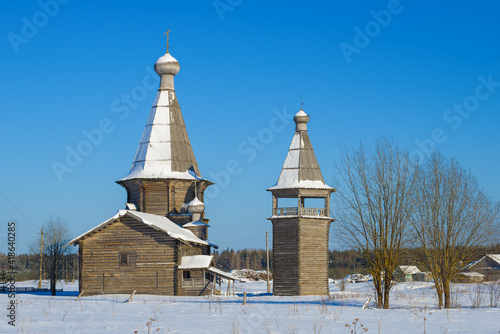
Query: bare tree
374	204
56	236
452	217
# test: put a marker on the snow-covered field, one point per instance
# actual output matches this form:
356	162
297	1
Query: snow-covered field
413	310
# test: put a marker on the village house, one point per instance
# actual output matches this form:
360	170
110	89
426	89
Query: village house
159	243
488	266
406	273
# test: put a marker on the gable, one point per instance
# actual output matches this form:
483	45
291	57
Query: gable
126	231
156	222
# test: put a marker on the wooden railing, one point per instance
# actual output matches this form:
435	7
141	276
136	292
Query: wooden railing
285	212
313	212
194	282
316	212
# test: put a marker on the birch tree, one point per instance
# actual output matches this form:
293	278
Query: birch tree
374	203
452	217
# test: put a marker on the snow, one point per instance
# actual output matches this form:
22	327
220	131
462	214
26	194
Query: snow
301	113
224	274
292	160
471	274
196	202
196	262
167	58
495	257
153	158
295	145
157	222
411	303
409	270
196	223
210	243
289	177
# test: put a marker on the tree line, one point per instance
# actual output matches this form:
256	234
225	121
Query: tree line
341	262
387	201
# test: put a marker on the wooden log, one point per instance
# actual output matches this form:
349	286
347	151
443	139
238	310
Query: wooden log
81	294
131	297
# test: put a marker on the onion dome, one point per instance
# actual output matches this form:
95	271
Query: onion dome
301	119
167	65
196	206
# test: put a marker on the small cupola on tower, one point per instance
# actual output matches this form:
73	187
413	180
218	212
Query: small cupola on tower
300	230
199	228
196	208
164	170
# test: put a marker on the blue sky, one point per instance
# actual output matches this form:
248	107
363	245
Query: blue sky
407	69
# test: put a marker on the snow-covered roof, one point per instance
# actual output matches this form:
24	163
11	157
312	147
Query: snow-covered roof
494	257
301	169
196	223
210	243
159	223
164	151
224	274
409	270
196	262
471	274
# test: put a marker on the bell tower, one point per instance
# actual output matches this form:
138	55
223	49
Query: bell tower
300	229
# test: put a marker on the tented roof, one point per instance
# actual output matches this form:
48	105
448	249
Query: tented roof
164	151
301	169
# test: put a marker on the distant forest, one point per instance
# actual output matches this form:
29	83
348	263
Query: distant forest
341	263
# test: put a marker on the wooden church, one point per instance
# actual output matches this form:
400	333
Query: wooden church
300	231
159	243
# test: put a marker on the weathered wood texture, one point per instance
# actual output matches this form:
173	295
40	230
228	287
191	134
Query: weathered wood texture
285	258
153	258
300	256
313	256
163	197
488	267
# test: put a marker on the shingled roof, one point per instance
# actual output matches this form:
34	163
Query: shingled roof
165	151
301	169
159	223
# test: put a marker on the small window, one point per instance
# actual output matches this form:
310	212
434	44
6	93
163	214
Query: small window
186	274
124	259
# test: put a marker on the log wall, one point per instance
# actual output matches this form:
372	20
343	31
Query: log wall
285	257
300	256
162	197
313	256
152	260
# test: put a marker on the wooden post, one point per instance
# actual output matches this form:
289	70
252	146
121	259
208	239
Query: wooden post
233	289
366	304
81	294
41	261
131	297
244	298
214	284
228	293
74	266
267	254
